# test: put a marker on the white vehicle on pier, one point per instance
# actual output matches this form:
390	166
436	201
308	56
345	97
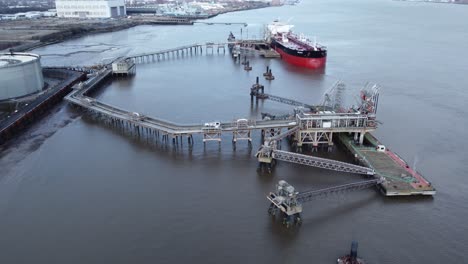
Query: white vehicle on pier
212	125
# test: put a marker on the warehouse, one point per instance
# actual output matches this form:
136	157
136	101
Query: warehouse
90	8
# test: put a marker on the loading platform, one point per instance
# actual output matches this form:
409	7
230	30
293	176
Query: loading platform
269	53
400	178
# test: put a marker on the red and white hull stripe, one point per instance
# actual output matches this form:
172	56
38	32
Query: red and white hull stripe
311	63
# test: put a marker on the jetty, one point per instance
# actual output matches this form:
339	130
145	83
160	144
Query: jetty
309	127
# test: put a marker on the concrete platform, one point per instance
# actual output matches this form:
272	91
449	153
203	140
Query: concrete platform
400	178
269	54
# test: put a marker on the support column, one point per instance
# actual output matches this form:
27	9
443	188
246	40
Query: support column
361	138
330	142
299	138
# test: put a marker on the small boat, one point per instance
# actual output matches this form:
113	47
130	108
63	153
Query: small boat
352	258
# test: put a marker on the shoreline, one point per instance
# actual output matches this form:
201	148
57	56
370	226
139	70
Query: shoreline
32	34
434	2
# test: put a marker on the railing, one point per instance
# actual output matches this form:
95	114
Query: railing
310	195
321	162
335	120
284	134
79	97
164	51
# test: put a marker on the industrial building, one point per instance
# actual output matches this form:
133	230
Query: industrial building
29	15
90	8
20	75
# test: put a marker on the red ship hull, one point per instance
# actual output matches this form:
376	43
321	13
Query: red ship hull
311	63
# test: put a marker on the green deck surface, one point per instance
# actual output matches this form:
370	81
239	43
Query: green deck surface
397	179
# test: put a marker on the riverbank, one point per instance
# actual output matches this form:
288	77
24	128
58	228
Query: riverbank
28	112
23	35
461	2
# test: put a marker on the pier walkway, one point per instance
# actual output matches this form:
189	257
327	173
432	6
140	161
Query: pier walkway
177	52
320	162
258	92
166	53
283	100
197	48
310	126
221	23
138	121
288	202
308	196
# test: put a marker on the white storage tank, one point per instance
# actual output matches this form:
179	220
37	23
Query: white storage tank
20	75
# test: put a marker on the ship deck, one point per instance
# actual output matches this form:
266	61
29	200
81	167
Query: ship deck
293	45
400	178
296	44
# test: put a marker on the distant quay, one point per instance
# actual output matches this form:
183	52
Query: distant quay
233	8
462	2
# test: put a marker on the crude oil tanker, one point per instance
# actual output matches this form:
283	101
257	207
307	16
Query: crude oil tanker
296	49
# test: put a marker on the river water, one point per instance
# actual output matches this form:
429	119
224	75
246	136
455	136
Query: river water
75	191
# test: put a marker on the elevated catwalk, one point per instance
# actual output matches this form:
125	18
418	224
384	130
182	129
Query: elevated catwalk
310	126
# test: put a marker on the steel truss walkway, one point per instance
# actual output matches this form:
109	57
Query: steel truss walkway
258	91
287	201
320	162
284	100
308	196
284	134
260	95
240	128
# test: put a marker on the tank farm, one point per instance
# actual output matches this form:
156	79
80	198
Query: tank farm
36	96
318	127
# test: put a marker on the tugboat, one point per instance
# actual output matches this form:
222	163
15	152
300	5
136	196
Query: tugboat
296	49
352	257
